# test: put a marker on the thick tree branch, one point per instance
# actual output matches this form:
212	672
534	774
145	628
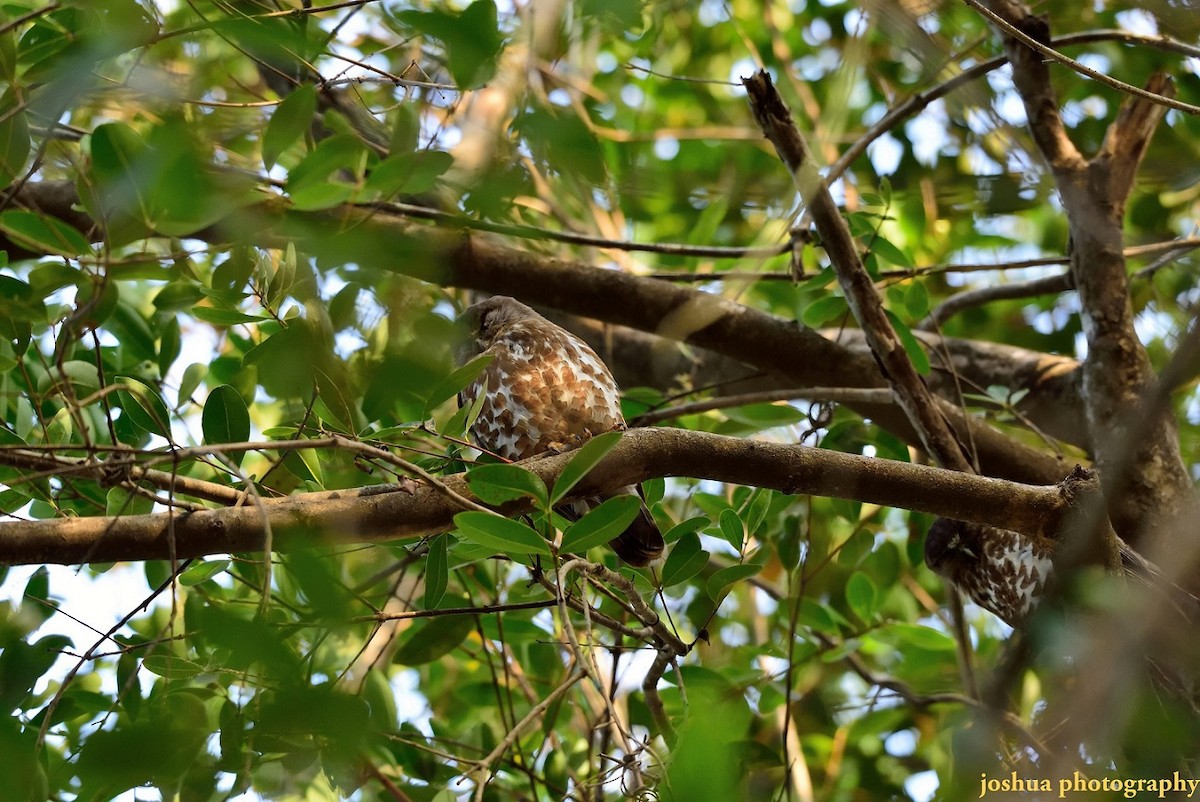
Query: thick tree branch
366	515
1051	382
454	258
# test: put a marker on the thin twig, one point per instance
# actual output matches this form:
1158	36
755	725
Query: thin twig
1082	69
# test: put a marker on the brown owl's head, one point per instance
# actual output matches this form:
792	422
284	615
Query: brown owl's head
485	321
949	545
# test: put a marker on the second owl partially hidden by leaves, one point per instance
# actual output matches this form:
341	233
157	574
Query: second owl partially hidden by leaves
545	389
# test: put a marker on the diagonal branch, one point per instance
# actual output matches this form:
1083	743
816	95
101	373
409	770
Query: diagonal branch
1031	74
911	392
1013	17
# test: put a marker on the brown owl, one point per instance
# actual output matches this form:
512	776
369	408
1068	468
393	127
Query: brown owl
998	569
545	389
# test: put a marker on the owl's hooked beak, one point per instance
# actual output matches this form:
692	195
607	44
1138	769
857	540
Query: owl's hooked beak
468	337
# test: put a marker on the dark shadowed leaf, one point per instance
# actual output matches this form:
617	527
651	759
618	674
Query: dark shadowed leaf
602	524
685	560
436	571
144	405
430	638
289	122
724	578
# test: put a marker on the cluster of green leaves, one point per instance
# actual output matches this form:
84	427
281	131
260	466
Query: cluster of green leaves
212	285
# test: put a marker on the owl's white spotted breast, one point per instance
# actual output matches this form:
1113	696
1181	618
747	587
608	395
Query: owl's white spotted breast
545	389
1010	577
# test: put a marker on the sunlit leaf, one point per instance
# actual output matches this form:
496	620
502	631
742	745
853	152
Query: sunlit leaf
288	123
499	484
582	463
501	534
42	234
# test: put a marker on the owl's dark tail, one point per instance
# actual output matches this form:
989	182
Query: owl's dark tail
640	544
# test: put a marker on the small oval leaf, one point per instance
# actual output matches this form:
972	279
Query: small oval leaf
225	418
499	484
602	524
501	534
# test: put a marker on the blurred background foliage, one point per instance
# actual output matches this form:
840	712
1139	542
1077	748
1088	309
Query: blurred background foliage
220	144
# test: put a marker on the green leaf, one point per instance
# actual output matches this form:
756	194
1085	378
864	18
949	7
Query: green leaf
820	617
170	345
430	638
602	524
916	300
582	463
14	137
310	458
193	374
179	296
411	173
290	121
685	560
37	590
921	637
912	346
564	141
43	234
732	529
682	528
119	501
464	418
472	38
756	510
116	149
225	317
824	310
455	382
144	405
765	415
862	596
225	418
337	153
133	330
23	664
314	196
169	666
500	484
436	571
724	578
501	534
888	252
200	572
